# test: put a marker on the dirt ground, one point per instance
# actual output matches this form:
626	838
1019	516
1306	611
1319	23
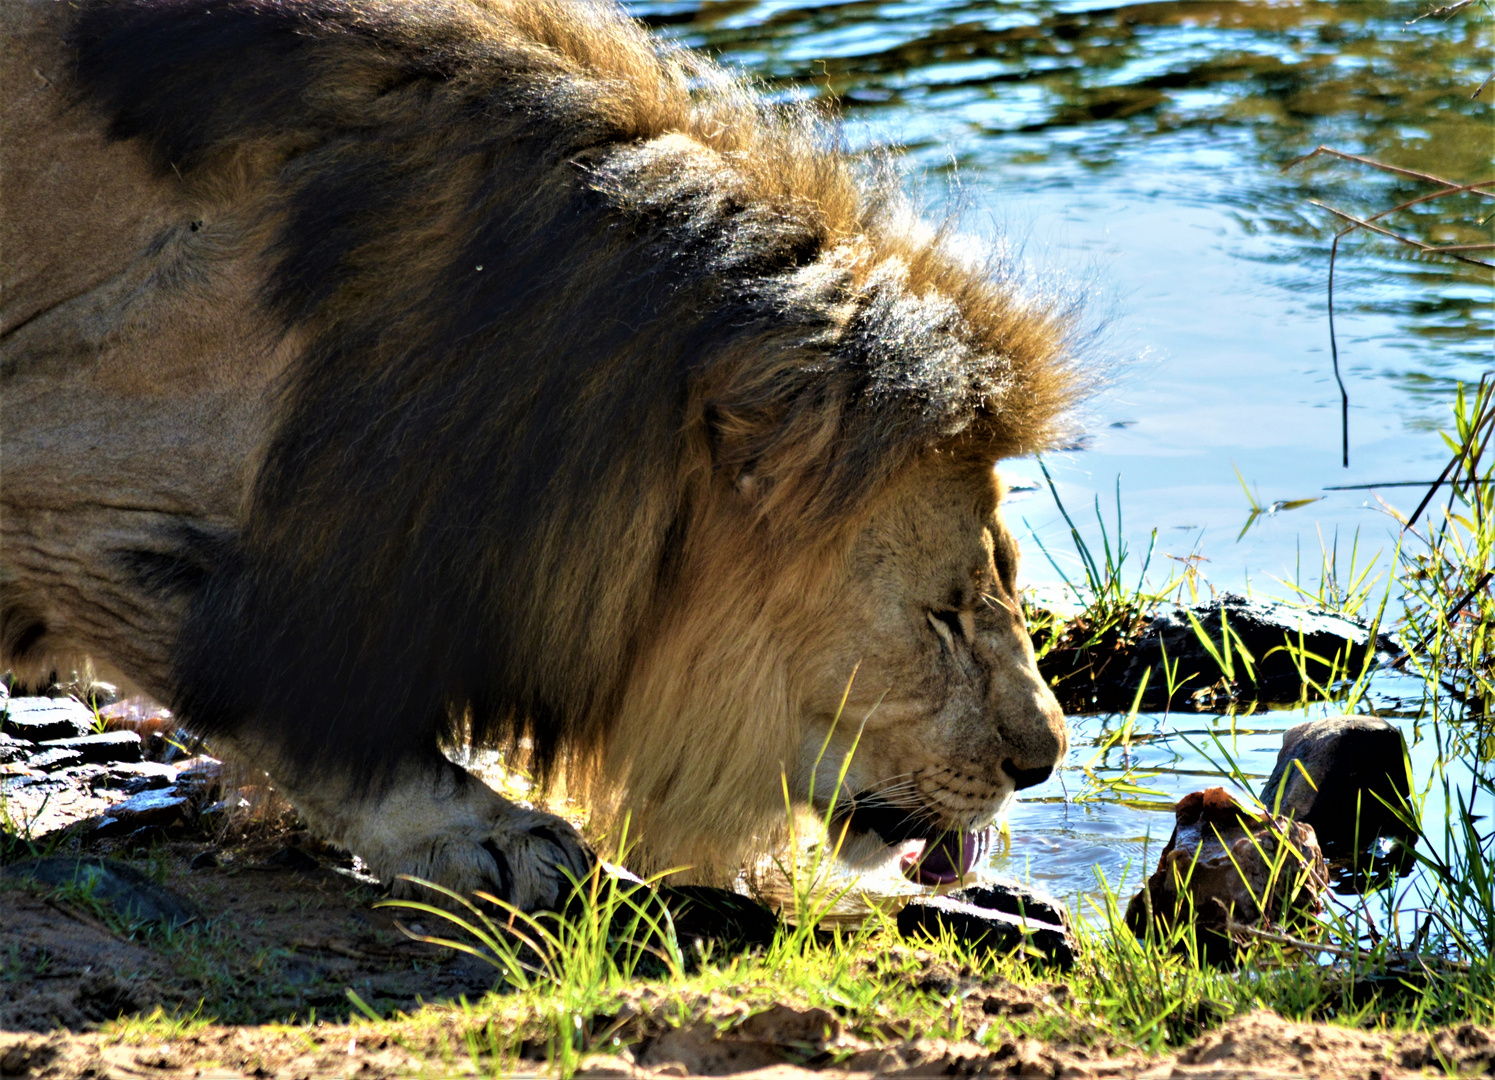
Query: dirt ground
286	927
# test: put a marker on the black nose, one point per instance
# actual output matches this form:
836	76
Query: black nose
1027	777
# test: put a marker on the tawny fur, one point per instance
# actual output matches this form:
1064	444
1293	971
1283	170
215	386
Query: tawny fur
607	489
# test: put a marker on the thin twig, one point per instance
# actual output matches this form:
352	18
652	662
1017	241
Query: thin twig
1397	169
1233	927
1344	395
1399	483
1430	196
1462	455
1432	249
1449	615
1443	12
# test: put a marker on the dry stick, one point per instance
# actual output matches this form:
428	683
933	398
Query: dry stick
1452	250
1233	927
1443	12
1478	189
1453	611
1397	483
1344	395
1475	187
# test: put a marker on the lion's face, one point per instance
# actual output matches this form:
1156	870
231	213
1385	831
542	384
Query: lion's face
952	713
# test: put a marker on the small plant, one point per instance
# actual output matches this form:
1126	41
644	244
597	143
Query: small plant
1075	650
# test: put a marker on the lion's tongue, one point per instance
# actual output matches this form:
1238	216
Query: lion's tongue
944	860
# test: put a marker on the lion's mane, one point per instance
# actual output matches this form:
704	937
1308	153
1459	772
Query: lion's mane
605	355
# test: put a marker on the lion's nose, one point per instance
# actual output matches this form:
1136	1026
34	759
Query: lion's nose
1042	744
1025	778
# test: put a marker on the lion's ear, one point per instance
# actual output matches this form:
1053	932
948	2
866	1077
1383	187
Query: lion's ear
772	447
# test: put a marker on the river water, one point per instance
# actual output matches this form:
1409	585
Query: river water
1140	153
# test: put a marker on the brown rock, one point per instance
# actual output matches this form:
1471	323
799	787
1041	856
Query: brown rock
1222	865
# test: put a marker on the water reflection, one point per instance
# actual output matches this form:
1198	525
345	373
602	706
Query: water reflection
1054	91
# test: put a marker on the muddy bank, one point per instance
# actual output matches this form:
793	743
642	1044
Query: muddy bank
649	1037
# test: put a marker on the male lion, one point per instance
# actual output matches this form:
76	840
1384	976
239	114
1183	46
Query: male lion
377	372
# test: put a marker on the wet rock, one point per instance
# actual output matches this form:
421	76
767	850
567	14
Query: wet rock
1219	861
39	719
1106	675
13	749
1346	776
133	777
102	749
1013	897
53	760
980	927
201	777
133	896
160	809
718	920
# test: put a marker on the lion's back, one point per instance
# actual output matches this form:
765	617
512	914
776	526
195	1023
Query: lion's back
135	365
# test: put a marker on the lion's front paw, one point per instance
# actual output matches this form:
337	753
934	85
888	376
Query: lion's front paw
526	858
537	862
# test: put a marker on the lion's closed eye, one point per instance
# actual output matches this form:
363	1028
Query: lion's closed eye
947	625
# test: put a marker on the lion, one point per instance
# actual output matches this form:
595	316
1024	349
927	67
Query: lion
379	374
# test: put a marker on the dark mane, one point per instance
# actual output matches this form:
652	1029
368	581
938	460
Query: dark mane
558	283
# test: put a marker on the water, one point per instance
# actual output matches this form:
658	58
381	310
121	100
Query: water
1136	152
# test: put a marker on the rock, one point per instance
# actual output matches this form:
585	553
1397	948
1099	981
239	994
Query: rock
162	809
1219	862
200	776
1013	897
133	896
1359	784
103	749
14	749
718	920
53	759
133	777
1106	676
39	719
1000	931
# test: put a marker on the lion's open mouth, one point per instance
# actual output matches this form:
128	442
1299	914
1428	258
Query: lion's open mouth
933	853
943	860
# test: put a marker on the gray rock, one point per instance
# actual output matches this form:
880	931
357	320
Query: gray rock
133	896
1356	765
54	759
163	808
980	927
133	777
103	749
14	749
39	719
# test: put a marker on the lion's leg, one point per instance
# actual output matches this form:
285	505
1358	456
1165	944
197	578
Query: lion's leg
434	820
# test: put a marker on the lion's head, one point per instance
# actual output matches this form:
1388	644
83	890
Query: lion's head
924	687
